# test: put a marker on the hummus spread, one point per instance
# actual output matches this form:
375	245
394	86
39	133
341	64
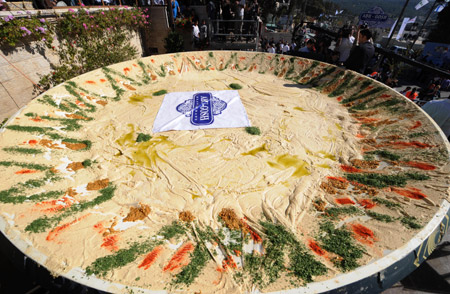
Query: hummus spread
343	171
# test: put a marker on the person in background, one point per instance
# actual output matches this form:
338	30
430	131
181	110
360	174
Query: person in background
425	93
361	54
280	46
309	48
204	34
285	49
239	17
445	84
175	8
211	10
412	95
436	93
227	14
406	90
293	46
196	34
272	48
439	110
345	45
251	14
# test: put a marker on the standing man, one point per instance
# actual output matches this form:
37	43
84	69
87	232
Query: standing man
239	17
175	8
227	14
196	34
212	14
361	54
309	48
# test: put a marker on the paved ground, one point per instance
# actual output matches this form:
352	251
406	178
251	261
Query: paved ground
433	275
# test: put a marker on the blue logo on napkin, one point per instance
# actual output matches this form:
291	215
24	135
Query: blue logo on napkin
202	108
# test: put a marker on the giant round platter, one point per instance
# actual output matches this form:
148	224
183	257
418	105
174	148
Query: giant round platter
337	182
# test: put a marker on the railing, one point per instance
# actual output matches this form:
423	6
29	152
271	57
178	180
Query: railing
232	30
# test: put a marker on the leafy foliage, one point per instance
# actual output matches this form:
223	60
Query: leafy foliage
174	42
88	41
15	31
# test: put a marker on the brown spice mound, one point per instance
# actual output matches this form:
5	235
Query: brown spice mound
370	164
76	116
101	102
97	185
54	170
359	189
186	216
49	144
328	188
71	192
137	213
338	184
75	146
332	87
350	104
320	205
110	230
230	219
75	166
129	87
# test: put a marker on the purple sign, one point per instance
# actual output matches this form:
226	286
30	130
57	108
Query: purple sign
375	18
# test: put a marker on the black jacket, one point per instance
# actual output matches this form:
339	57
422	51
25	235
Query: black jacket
360	57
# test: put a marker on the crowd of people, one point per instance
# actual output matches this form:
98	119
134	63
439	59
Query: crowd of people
355	53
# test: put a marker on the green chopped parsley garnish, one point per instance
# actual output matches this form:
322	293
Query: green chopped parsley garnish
380	217
160	92
385	154
235	86
410	222
340	242
253	130
382	181
143	137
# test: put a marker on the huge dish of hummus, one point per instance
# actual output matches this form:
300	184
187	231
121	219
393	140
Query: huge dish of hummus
336	171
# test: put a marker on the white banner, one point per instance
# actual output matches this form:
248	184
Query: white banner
412	20
421	4
201	110
392	28
402	28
